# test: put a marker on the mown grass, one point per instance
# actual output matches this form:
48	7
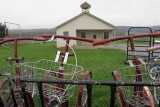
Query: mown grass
101	62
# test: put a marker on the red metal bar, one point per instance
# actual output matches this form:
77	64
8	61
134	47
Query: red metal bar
138	70
15	59
17	69
66	47
1	39
15	50
63	53
60	75
125	37
47	35
117	77
155	34
153	48
22	38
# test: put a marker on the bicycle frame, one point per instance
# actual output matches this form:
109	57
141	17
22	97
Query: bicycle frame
130	38
18	59
67	38
135	59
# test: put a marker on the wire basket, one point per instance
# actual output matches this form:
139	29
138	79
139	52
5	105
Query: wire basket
136	96
48	69
9	69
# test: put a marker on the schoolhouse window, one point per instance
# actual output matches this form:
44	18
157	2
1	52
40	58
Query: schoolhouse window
106	35
66	33
83	34
94	36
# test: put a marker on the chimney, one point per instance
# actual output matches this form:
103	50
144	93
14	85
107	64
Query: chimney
85	7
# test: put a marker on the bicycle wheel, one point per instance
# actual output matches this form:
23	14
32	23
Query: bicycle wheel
120	91
154	72
20	101
149	64
82	97
153	67
149	97
5	90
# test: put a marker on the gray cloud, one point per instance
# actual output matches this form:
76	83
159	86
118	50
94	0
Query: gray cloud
50	13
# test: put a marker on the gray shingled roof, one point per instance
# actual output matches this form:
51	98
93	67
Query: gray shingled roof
81	15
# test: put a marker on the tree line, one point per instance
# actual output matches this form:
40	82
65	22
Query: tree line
3	30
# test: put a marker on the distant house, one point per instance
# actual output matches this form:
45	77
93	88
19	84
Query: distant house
85	25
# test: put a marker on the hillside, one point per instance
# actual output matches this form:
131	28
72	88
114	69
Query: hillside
30	32
121	31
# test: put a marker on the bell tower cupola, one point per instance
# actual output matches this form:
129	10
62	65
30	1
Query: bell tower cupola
85	7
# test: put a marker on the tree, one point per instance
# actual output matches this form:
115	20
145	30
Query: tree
3	30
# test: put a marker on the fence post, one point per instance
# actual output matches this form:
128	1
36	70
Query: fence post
89	94
113	91
41	93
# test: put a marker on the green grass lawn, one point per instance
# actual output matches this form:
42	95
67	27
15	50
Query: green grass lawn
101	62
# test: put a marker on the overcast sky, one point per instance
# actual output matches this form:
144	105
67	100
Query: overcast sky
50	13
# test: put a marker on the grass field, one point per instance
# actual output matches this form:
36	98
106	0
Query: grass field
101	62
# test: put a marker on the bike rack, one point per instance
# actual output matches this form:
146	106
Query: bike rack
113	85
149	41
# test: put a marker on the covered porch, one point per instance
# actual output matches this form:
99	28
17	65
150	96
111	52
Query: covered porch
93	34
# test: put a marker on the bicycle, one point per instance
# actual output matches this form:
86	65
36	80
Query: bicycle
28	72
16	73
63	92
132	96
154	71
